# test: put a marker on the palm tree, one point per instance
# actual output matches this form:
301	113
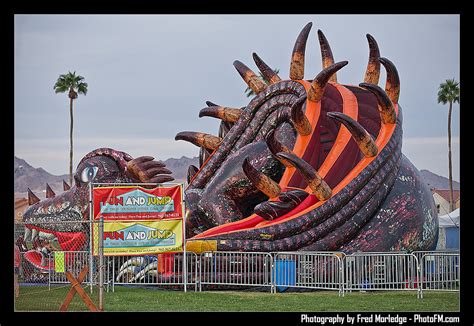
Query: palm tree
449	93
74	85
250	92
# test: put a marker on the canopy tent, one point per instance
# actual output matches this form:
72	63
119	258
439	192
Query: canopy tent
450	219
449	230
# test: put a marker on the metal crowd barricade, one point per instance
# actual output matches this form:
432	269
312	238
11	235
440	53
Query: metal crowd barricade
74	262
420	253
312	270
150	270
236	269
368	271
440	271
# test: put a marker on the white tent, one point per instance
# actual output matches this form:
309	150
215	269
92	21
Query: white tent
449	231
450	219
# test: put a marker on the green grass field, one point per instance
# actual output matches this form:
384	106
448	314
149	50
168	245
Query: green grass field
140	299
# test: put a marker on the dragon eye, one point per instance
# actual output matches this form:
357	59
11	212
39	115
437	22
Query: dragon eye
89	173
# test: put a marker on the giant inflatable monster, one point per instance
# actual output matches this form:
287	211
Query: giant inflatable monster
308	164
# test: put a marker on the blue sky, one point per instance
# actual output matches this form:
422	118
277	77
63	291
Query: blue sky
149	75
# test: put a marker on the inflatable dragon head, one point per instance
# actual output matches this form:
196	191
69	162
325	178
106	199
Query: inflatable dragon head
309	165
60	215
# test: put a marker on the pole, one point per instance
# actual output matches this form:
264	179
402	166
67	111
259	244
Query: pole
113	274
101	263
49	270
185	269
91	272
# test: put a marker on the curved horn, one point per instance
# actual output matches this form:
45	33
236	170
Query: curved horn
220	112
266	71
66	186
192	170
252	80
209	103
200	139
276	147
297	57
49	192
318	186
32	198
326	53
360	135
372	74
392	86
319	83
299	119
261	181
387	111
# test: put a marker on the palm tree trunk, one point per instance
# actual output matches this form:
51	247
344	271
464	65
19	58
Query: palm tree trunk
70	140
451	203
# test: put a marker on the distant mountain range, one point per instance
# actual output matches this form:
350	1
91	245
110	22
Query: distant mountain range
179	166
433	180
36	178
27	176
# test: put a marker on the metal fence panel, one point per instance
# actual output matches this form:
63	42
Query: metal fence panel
385	271
74	262
311	270
420	253
235	269
440	271
162	269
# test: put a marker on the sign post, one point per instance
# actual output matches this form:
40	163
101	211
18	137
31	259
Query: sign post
91	258
101	264
185	260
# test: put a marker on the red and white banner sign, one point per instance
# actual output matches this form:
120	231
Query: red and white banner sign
138	203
